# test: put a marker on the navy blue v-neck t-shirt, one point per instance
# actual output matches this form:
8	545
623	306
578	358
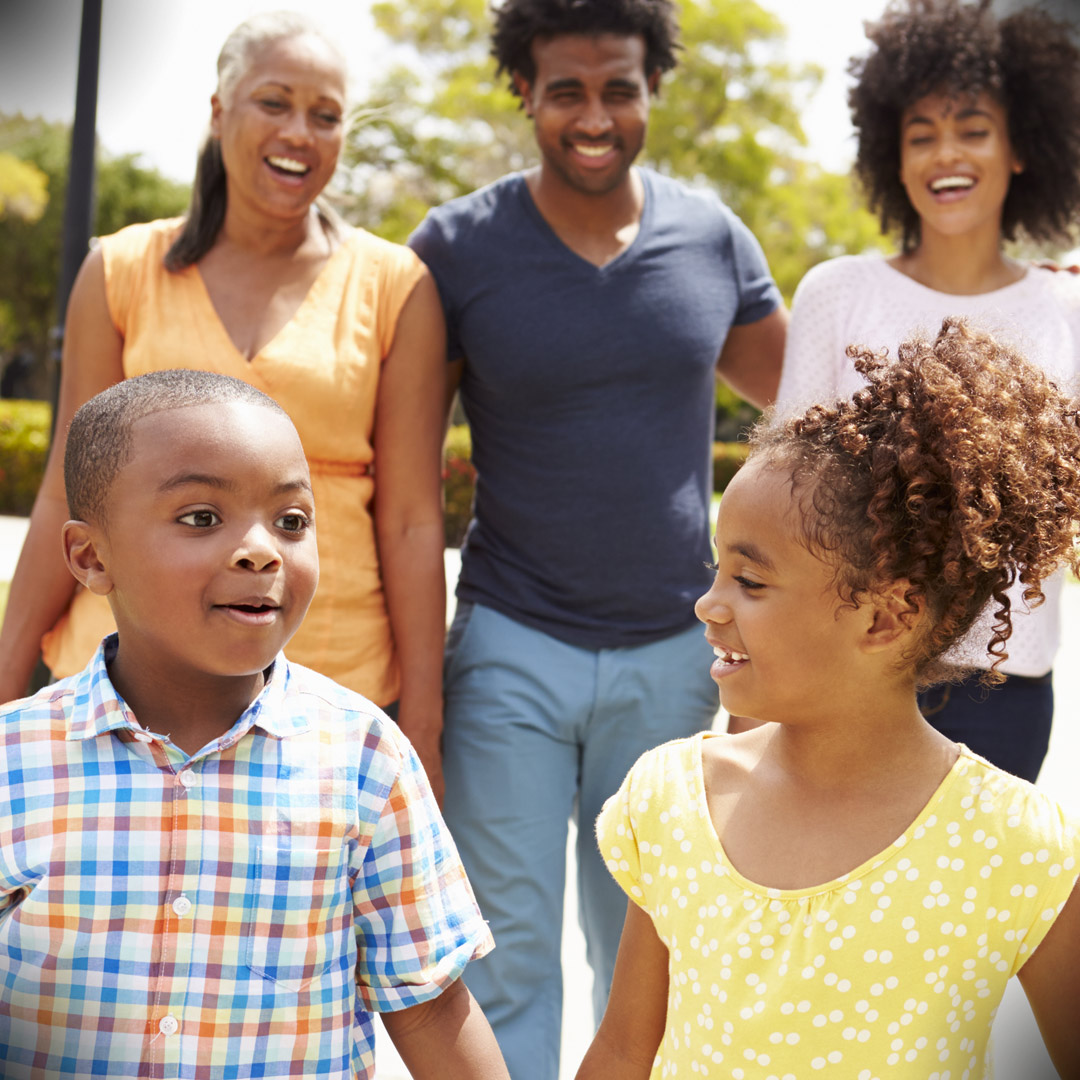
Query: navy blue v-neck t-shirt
590	395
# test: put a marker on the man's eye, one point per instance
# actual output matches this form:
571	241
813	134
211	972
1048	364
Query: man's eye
292	522
201	519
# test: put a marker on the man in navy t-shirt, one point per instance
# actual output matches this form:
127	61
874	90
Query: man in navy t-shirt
590	306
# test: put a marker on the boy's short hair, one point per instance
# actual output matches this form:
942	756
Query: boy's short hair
99	438
1026	61
519	22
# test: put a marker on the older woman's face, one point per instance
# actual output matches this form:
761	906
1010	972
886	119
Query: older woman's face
281	126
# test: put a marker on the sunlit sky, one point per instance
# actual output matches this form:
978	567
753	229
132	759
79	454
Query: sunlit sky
158	57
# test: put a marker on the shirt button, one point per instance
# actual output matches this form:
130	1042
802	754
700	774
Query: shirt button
144	736
169	1025
181	905
189	779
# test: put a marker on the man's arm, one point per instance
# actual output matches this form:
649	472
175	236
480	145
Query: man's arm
446	1038
752	356
626	1042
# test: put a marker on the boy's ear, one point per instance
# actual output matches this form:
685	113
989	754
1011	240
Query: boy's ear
83	551
896	616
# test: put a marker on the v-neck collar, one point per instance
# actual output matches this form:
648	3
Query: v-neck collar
626	256
309	298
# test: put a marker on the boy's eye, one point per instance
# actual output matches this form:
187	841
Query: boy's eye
201	519
292	522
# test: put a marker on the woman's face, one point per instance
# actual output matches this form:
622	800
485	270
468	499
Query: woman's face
956	162
281	126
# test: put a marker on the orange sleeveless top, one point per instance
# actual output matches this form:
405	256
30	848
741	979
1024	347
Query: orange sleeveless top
323	369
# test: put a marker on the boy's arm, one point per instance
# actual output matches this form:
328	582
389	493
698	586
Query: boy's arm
1051	980
625	1044
446	1038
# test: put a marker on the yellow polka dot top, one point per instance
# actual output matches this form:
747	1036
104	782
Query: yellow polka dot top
891	972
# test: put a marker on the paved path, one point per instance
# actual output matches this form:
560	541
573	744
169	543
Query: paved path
1018	1051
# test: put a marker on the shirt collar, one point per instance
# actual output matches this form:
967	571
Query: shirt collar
98	708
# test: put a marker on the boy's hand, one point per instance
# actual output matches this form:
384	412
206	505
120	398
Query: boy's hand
447	1038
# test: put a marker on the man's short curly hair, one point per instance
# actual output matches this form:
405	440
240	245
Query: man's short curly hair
957	469
519	22
99	440
1026	61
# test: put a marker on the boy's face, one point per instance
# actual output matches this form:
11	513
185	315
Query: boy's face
208	553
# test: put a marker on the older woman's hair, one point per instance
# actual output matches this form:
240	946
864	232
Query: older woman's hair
1026	61
206	213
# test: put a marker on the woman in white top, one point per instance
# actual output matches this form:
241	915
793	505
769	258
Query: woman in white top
968	132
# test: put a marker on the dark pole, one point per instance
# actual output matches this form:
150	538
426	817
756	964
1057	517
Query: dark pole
79	205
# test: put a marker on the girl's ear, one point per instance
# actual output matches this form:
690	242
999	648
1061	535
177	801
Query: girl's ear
897	615
83	552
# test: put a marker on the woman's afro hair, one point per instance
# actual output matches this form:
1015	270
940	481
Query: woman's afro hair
1027	61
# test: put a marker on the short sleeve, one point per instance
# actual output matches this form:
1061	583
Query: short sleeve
430	243
401	269
758	294
814	354
618	842
1043	876
417	922
126	255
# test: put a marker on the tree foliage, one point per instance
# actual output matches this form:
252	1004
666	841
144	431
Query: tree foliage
31	243
439	124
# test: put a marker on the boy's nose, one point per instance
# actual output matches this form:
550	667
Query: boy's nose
257	550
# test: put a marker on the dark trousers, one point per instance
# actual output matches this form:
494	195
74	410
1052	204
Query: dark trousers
1009	725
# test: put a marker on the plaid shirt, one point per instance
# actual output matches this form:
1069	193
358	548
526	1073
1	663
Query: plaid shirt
238	913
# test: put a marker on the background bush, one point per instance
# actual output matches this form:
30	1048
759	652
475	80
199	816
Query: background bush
727	460
459	477
24	445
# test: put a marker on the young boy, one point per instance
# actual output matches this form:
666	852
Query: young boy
214	864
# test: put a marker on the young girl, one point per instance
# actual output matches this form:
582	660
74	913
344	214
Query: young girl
845	892
968	134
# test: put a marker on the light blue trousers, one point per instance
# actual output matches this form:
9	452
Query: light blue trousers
537	731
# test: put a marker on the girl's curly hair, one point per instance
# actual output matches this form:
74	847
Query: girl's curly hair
519	22
957	470
1026	61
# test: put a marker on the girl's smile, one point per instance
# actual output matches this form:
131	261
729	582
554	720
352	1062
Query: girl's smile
781	633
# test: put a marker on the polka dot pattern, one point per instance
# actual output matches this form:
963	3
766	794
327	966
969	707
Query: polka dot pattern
860	299
893	970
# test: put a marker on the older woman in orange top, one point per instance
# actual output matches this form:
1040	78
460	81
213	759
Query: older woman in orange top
343	329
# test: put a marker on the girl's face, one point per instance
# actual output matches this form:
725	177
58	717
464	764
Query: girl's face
281	126
956	162
786	645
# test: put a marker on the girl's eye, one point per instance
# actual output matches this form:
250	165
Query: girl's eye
330	119
272	105
294	523
976	134
200	519
746	583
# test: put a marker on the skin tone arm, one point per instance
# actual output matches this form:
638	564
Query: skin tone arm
1051	980
750	364
42	586
446	1038
625	1044
409	426
752	356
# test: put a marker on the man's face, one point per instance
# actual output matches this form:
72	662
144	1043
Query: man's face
589	104
208	552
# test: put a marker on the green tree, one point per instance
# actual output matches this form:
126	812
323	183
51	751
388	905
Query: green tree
30	245
439	124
